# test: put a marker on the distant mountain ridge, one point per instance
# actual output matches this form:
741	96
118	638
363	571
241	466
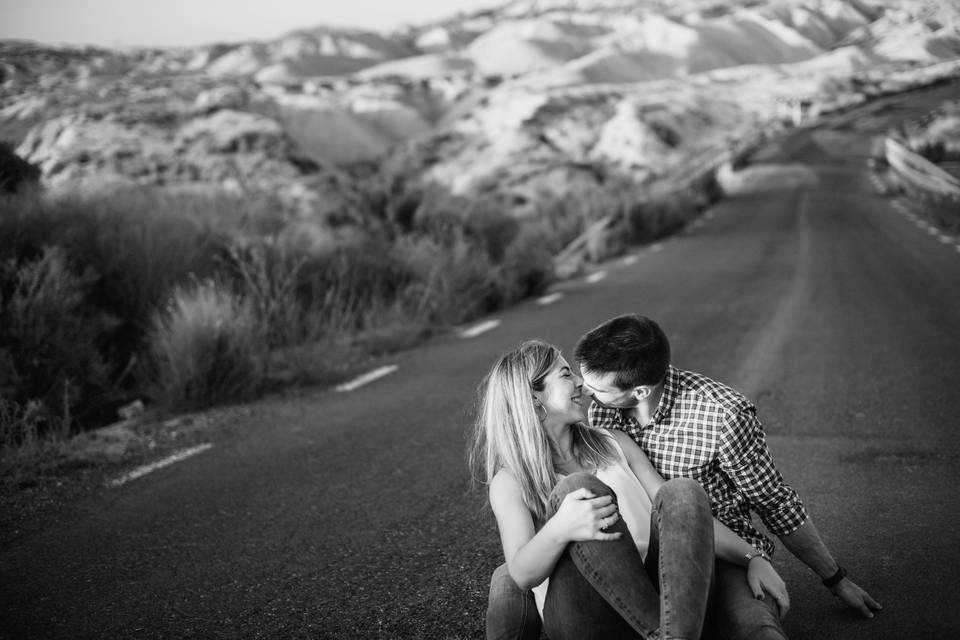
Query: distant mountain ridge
515	99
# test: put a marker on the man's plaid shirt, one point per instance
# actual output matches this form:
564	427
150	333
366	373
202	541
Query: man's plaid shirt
707	431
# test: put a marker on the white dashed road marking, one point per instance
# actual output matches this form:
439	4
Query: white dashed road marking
159	464
596	277
367	378
550	298
476	330
629	260
656	247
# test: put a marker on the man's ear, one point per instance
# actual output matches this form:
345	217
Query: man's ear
642	392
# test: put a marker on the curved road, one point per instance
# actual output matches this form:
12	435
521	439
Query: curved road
349	515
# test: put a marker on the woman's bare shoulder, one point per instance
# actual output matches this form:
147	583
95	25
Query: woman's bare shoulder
503	484
621	437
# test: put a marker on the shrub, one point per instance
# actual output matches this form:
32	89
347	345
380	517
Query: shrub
351	288
49	337
528	264
492	229
20	425
454	282
206	347
16	174
139	243
268	274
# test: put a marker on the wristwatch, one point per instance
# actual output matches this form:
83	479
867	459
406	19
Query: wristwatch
757	554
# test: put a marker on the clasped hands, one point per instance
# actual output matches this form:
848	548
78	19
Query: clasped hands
584	516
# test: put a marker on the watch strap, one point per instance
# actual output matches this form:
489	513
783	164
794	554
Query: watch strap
835	579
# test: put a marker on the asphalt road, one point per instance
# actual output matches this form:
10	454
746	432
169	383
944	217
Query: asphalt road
350	515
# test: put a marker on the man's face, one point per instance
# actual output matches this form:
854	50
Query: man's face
601	387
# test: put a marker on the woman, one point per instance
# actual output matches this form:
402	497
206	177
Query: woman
609	548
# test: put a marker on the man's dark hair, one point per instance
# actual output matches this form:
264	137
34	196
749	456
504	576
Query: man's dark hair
632	346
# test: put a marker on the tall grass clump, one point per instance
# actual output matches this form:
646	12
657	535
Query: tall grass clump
205	347
269	275
52	371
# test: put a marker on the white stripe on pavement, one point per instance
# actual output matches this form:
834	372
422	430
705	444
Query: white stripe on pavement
550	298
945	239
160	464
629	260
367	378
596	277
476	330
656	247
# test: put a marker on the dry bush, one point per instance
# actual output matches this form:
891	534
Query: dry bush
52	374
206	347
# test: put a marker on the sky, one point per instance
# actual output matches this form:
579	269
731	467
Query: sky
121	23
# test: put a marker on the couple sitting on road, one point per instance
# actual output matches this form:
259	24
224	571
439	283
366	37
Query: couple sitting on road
630	527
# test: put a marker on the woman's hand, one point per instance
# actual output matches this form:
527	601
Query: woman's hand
582	516
761	576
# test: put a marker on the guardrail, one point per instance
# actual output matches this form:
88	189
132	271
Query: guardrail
919	173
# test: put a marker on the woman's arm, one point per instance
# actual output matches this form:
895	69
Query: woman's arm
761	576
530	554
728	546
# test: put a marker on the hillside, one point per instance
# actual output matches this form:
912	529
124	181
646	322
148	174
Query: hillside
534	96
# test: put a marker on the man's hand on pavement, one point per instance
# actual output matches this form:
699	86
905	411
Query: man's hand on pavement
855	597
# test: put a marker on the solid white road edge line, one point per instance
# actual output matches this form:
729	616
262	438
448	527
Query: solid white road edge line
550	298
367	378
159	464
476	330
596	277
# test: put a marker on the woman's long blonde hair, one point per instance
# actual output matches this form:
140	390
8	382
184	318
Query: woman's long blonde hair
508	433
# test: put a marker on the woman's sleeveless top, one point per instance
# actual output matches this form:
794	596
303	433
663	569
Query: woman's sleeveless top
632	502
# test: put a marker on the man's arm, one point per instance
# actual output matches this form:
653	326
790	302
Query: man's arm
746	459
805	543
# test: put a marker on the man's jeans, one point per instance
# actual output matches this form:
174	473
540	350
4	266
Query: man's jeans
734	613
604	590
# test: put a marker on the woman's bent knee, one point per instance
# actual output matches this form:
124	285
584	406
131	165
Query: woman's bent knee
581	480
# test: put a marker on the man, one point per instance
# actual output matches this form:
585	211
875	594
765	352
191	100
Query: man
691	426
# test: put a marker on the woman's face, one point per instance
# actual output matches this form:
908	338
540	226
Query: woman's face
562	396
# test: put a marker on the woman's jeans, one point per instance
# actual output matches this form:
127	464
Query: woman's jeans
734	613
604	590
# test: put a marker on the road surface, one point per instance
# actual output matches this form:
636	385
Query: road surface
349	514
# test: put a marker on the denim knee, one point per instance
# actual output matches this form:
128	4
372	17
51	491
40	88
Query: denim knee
576	481
511	611
681	492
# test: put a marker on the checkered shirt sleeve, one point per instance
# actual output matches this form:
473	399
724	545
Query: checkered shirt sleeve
745	458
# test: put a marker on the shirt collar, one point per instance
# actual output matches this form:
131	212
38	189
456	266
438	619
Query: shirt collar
609	417
671	388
